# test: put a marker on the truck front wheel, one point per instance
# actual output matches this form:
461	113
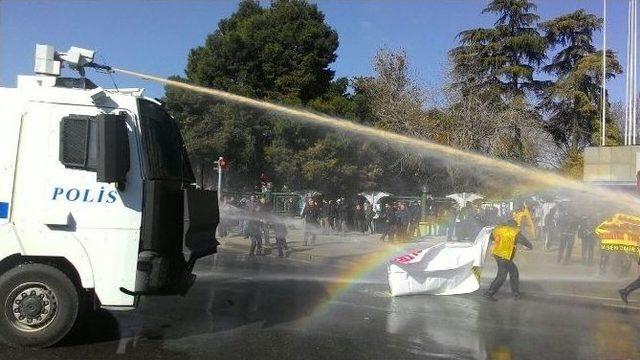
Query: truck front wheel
39	305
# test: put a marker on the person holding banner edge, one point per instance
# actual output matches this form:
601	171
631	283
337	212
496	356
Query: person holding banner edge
505	237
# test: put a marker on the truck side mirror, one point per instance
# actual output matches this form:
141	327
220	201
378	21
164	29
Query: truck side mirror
113	148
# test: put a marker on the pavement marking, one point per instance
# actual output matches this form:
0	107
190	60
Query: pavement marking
588	297
382	294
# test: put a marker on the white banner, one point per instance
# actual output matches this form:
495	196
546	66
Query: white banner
442	269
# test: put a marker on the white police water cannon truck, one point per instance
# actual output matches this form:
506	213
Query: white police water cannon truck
98	204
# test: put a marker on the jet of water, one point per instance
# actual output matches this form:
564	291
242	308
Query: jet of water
426	148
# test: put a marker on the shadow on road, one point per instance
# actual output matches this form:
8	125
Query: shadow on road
98	326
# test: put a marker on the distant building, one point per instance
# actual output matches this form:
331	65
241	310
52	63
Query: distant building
614	166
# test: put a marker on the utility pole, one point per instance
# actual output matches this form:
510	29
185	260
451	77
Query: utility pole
222	164
630	127
604	72
634	66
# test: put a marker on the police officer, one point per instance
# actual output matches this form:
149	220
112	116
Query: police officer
505	237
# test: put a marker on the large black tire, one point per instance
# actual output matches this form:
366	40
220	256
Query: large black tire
41	295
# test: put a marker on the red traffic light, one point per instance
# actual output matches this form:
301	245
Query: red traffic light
223	163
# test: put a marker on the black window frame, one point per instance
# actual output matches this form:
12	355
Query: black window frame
154	152
85	164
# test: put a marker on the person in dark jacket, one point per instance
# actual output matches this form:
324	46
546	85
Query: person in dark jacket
333	215
389	219
567	228
254	231
263	210
368	217
359	216
403	217
310	215
589	239
280	229
550	228
415	212
624	293
343	215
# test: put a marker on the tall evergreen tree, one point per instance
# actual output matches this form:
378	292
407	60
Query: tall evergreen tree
496	66
573	101
574	32
500	62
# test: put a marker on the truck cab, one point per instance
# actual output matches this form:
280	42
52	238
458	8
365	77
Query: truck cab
98	202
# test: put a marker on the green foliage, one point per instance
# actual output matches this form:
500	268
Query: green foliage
573	165
282	52
573	101
575	33
498	63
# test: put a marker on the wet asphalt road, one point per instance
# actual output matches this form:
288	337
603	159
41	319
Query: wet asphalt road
281	309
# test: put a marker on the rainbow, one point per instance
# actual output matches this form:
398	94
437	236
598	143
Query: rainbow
351	276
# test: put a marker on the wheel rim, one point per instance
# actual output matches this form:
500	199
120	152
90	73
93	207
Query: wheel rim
31	306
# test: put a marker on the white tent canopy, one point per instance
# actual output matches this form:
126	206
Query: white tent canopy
374	197
463	198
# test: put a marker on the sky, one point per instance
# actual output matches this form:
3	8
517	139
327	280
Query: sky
155	36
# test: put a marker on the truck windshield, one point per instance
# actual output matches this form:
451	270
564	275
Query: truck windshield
165	155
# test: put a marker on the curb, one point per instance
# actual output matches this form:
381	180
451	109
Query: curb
593	302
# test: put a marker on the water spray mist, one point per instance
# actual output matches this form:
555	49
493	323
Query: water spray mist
427	148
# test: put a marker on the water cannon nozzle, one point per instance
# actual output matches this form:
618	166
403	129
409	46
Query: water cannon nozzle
49	61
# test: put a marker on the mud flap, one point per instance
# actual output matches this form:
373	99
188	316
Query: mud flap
167	273
201	217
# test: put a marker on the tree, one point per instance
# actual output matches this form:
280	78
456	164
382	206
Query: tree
494	68
281	53
573	101
499	63
305	157
392	100
574	31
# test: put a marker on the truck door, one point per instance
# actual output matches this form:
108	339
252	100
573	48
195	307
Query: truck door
100	218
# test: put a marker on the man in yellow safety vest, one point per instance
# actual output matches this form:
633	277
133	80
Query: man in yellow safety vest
505	237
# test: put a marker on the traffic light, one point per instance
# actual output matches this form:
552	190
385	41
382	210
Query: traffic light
223	163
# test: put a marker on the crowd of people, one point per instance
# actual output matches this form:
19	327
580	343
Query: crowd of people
401	221
556	225
397	221
253	218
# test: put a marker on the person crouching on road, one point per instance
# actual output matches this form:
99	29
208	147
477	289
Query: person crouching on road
281	238
505	237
